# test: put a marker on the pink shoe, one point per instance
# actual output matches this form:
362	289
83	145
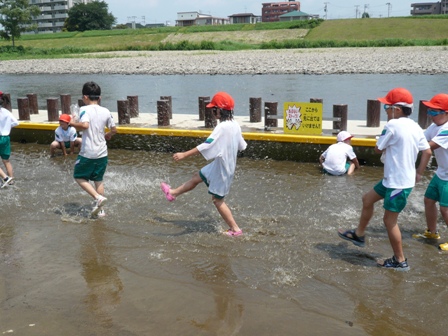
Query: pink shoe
166	190
232	233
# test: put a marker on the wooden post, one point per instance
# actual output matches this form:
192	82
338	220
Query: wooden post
340	111
209	118
254	109
24	108
316	100
32	99
7	101
170	104
66	101
373	113
424	120
53	109
133	106
270	109
123	112
202	104
163	115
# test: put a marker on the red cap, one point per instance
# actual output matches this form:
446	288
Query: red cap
1	93
65	117
222	100
438	102
398	96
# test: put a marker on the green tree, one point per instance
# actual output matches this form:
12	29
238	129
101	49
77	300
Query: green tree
16	17
90	16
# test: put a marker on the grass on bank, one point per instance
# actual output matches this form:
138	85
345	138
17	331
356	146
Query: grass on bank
407	31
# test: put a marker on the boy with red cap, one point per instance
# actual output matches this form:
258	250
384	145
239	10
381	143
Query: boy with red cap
437	190
340	158
7	121
222	147
65	136
399	143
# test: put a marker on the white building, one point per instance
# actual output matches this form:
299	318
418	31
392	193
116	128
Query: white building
53	14
185	19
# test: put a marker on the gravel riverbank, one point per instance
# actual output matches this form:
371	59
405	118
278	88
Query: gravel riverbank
412	60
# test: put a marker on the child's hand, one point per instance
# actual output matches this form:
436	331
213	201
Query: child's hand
178	156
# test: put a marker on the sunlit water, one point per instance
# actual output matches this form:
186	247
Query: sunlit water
157	268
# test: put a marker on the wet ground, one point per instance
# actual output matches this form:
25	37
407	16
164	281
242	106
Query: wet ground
156	268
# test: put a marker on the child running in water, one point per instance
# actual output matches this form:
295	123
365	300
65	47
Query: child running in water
222	146
7	121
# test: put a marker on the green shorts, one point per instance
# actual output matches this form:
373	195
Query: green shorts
90	169
67	144
394	199
347	166
437	190
5	147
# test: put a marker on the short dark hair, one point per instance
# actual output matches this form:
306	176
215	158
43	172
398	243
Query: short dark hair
406	110
91	90
225	115
4	99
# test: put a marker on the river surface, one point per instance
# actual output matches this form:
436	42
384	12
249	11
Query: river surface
353	90
156	268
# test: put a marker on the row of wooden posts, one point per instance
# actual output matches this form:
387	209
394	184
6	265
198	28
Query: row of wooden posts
128	108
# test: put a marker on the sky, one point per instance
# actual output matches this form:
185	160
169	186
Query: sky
163	11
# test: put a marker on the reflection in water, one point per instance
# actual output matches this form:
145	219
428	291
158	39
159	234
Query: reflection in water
227	317
101	276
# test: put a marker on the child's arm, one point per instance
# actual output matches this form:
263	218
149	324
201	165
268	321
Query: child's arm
182	155
72	147
356	162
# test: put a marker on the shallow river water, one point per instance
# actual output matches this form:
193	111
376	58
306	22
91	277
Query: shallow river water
156	268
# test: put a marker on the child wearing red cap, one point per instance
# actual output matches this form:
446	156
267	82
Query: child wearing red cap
65	136
339	158
222	147
399	143
7	121
437	135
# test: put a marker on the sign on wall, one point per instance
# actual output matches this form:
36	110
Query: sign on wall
302	118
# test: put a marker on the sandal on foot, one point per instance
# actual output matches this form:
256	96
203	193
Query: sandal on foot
166	190
351	236
232	233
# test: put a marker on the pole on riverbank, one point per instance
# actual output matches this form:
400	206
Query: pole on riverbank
52	109
340	111
7	105
24	108
209	118
32	100
169	104
133	106
373	113
254	109
66	101
123	112
424	120
203	101
163	114
270	109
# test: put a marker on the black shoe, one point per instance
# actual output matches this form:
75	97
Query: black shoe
394	264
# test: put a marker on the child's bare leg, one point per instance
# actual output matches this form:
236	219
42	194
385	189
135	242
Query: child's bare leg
2	174
8	167
187	186
225	213
351	169
54	145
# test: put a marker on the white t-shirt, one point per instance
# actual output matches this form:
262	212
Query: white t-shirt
439	135
94	144
222	146
336	157
7	121
401	140
62	135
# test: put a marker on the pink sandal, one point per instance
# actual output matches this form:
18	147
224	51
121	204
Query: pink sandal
166	190
232	233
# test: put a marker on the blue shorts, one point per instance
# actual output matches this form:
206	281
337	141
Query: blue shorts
5	147
394	199
90	169
437	190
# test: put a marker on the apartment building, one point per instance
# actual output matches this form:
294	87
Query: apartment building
53	14
430	8
271	11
